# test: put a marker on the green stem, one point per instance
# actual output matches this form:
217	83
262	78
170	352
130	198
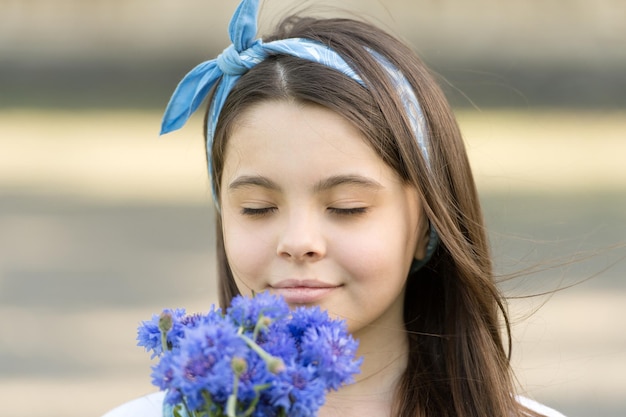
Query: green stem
164	341
273	363
231	403
187	410
254	402
257	328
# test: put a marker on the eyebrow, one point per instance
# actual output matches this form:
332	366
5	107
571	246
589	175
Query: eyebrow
253	181
323	185
337	180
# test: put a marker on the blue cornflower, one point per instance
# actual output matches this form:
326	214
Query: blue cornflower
149	334
297	391
199	319
303	318
246	312
331	350
163	374
279	342
204	362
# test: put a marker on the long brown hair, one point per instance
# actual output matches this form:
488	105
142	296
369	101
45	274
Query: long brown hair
454	313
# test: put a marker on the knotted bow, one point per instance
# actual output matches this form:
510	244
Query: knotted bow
244	53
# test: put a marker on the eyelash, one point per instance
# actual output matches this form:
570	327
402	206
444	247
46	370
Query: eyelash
257	212
352	211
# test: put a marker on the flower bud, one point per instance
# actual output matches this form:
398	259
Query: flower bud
264	322
239	365
275	365
165	322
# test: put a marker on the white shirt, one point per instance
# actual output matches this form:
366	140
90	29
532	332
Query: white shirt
152	406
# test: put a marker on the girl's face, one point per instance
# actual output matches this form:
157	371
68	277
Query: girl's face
311	212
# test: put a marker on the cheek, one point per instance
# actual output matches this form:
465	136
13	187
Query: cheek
375	255
248	253
377	259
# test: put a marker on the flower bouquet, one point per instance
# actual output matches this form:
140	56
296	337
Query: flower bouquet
256	359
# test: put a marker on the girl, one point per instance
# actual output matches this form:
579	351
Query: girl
341	180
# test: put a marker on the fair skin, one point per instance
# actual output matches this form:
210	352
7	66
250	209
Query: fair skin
311	212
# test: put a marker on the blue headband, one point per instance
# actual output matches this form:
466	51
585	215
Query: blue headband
244	53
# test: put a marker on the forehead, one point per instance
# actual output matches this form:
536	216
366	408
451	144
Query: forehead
293	137
298	127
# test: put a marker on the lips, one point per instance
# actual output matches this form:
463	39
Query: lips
303	291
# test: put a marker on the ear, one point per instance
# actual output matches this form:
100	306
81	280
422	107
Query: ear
423	238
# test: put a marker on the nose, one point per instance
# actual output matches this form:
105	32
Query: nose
302	239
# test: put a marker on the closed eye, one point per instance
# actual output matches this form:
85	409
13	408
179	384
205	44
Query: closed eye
351	211
257	212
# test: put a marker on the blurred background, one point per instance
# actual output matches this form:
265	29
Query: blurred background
103	223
